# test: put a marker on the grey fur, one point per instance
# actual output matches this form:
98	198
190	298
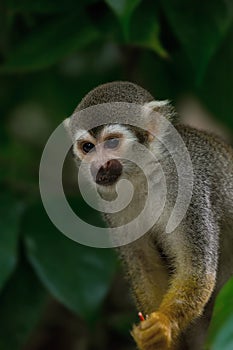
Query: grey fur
117	91
205	236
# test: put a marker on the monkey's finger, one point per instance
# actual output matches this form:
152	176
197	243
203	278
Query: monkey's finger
156	342
150	332
150	321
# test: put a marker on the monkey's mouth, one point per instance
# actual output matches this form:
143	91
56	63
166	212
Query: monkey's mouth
108	174
107	180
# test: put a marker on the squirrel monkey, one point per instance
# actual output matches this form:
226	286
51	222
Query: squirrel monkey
174	277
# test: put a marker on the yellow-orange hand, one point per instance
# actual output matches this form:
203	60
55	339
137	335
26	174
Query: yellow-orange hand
153	333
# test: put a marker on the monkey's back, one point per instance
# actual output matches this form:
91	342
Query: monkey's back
212	161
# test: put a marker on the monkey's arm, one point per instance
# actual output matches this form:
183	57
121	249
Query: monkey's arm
195	262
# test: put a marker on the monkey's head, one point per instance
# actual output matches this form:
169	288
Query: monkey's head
104	147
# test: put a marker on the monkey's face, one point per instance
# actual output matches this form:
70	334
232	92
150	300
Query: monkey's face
102	150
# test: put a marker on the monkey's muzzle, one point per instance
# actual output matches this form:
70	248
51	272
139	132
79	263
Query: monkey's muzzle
108	173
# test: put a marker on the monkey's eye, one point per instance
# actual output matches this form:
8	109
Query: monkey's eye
111	143
87	147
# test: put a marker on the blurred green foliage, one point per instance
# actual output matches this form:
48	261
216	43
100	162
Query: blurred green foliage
51	54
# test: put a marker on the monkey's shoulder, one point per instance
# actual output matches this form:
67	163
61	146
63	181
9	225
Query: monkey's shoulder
207	147
212	162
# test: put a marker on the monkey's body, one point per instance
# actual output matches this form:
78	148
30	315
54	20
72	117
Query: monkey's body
176	276
149	263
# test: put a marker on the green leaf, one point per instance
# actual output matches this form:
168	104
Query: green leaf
200	26
216	90
10	214
49	44
43	6
78	276
21	305
145	28
18	161
224	339
220	331
123	10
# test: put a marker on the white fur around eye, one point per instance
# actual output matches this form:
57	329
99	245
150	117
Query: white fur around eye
79	136
82	134
118	129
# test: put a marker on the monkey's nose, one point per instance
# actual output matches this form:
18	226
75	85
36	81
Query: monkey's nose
108	173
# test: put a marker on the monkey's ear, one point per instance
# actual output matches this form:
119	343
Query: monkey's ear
66	124
163	108
157	104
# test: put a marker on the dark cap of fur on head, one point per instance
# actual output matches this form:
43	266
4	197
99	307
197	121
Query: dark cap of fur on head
116	91
121	91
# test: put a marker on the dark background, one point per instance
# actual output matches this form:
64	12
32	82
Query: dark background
54	293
